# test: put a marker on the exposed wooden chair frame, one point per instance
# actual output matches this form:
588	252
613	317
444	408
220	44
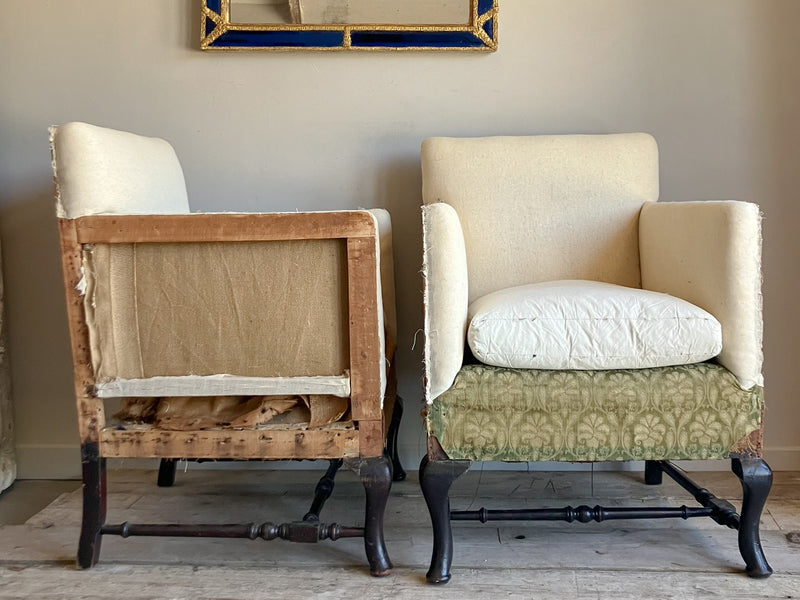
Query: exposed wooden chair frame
360	447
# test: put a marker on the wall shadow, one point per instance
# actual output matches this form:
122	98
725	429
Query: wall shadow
39	351
399	191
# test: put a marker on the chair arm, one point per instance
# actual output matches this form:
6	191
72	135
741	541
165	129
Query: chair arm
709	253
223	227
383	224
444	273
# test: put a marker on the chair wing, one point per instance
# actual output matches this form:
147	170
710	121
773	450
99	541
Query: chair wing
709	253
444	271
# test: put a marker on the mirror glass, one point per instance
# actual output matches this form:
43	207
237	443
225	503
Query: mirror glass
333	12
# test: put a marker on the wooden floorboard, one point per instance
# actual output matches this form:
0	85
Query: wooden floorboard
619	560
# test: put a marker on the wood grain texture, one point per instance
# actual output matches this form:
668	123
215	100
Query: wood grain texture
365	350
371	438
148	582
331	442
223	227
91	414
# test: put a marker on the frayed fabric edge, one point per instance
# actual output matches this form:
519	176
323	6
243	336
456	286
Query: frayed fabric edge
60	212
426	350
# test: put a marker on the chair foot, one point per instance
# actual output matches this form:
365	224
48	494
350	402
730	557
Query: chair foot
166	472
398	473
756	478
436	477
94	505
652	472
376	476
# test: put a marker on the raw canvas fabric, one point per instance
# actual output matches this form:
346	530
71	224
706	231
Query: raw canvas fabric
709	253
101	171
578	207
547	207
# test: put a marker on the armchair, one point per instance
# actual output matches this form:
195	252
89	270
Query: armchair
569	316
227	336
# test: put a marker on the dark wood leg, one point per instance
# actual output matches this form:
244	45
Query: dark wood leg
323	490
756	478
652	472
94	505
166	472
376	475
436	477
398	473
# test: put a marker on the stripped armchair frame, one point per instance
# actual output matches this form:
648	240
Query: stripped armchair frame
359	443
360	447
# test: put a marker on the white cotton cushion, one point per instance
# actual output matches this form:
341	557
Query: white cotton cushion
101	171
574	324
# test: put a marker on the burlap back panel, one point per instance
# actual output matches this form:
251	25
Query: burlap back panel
258	309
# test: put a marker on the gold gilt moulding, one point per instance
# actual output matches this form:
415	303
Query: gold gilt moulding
467	25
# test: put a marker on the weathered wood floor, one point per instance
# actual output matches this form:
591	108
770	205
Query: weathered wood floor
619	560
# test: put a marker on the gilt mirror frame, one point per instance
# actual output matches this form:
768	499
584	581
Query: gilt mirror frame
218	32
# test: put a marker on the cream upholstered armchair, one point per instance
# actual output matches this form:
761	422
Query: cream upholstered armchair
226	336
571	317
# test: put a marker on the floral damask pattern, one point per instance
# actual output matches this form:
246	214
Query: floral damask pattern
683	412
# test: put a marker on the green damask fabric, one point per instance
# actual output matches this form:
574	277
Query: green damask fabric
684	412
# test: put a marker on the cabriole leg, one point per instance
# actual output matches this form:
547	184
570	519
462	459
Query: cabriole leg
436	477
756	478
376	475
94	505
323	490
398	473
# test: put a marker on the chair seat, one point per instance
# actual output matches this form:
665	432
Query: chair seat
681	412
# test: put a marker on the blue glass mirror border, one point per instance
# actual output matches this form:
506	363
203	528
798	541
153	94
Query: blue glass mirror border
219	34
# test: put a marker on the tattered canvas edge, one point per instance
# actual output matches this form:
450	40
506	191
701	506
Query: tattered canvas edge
426	351
61	213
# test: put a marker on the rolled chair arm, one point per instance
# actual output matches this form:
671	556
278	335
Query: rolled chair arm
444	272
709	253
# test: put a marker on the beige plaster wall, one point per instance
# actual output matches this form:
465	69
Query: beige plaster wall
715	81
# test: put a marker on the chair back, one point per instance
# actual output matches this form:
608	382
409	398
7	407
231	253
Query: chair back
100	171
541	208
